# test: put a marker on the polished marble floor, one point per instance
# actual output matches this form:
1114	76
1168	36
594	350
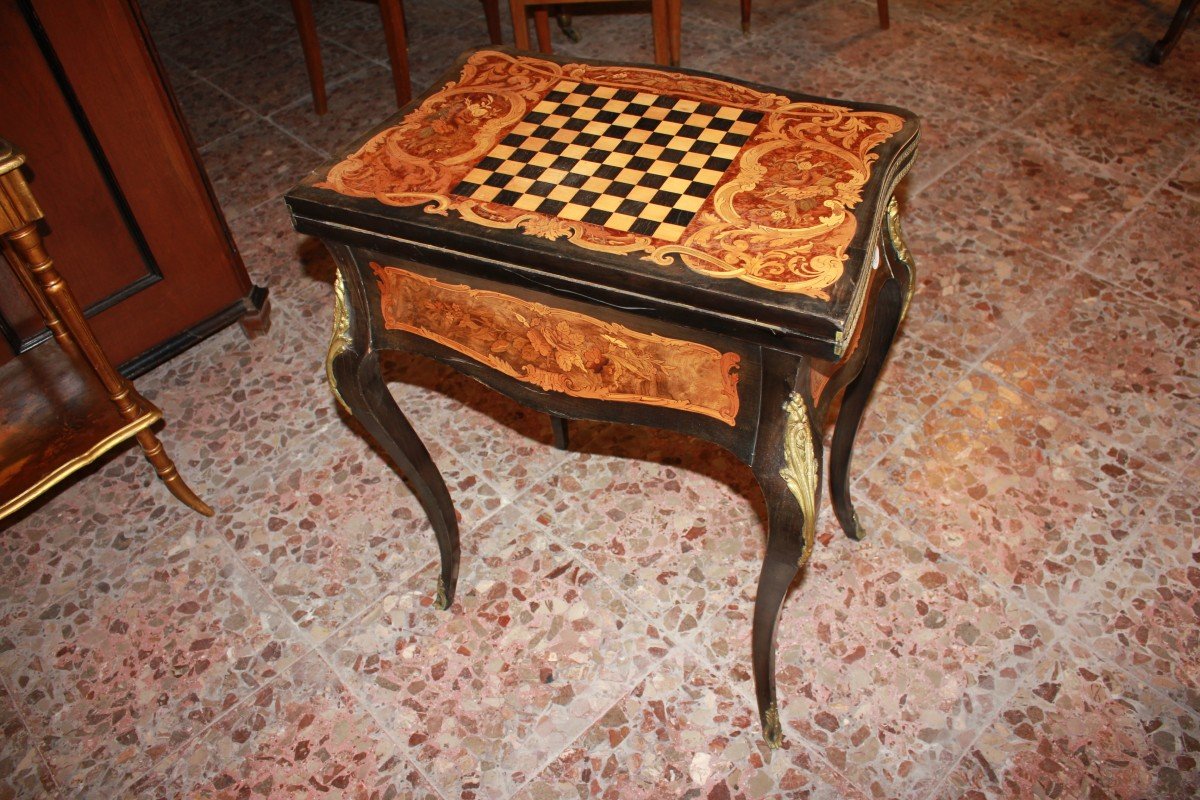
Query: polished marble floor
1023	620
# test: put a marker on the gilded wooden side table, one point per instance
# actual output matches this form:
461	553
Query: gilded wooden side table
641	245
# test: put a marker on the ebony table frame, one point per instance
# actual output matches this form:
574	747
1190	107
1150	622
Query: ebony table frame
788	380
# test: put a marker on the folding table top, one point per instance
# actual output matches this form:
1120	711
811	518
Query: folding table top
668	186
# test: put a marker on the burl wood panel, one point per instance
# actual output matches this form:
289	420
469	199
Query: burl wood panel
559	350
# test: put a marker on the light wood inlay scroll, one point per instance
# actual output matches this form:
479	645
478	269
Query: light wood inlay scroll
559	350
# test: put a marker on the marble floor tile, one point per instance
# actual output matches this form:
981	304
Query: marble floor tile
1077	116
1187	178
254	164
682	732
533	650
987	83
1018	493
275	77
1125	59
209	111
212	39
1080	728
115	677
675	541
1029	192
302	735
1062	32
1150	252
973	285
23	770
1126	368
889	658
357	104
342	528
1020	620
1145	614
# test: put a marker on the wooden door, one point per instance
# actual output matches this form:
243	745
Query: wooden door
130	218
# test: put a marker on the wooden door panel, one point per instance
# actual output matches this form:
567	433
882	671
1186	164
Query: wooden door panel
79	203
134	225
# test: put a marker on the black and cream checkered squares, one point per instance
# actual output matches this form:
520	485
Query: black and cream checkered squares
627	160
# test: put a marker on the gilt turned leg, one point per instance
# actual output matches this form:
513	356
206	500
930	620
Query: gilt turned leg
890	305
354	374
788	468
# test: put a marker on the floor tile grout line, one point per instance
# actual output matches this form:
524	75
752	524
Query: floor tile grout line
14	698
351	688
991	719
684	643
633	684
302	639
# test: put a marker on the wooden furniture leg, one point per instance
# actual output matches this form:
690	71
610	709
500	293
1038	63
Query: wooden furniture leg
890	307
306	24
20	229
562	438
665	17
787	464
1165	45
745	16
541	23
491	11
392	14
353	370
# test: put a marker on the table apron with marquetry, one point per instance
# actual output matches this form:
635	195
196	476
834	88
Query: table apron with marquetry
632	245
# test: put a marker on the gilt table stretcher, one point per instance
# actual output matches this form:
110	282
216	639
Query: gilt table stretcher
616	242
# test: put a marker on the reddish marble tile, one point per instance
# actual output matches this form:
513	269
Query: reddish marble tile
1187	178
91	523
1064	32
889	656
342	528
1079	728
682	732
165	18
1078	116
302	734
1126	368
534	649
1154	252
276	77
1034	194
219	39
972	284
23	771
254	164
914	379
357	104
947	133
209	112
117	676
1125	60
507	444
987	83
1016	492
677	542
1145	614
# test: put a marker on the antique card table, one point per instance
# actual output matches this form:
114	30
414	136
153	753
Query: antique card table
614	242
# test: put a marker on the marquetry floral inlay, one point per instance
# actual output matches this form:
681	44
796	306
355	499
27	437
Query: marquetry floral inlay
560	350
781	217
